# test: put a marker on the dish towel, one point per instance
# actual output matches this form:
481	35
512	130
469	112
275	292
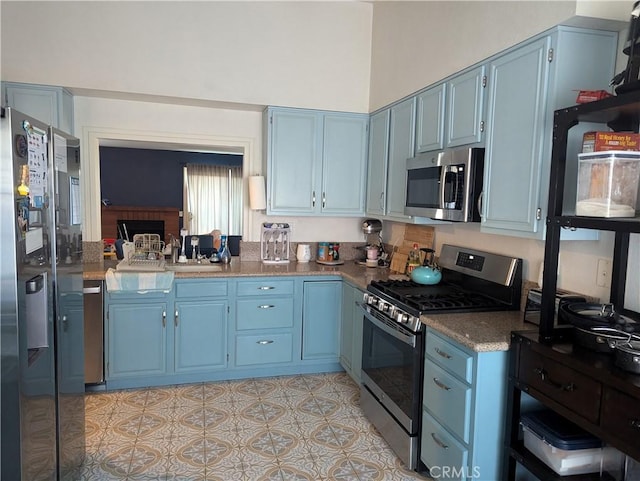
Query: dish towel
138	281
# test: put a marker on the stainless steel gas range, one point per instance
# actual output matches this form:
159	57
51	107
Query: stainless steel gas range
394	337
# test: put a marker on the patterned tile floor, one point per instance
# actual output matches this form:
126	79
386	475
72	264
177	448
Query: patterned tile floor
294	428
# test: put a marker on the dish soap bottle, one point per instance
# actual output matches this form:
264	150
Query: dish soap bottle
414	259
225	255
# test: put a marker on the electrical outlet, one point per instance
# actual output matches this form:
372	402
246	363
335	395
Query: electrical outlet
603	276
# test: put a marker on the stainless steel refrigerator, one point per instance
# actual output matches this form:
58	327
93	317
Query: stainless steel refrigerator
41	322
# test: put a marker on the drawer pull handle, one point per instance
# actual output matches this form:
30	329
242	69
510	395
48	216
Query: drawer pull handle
635	423
441	385
262	343
265	288
266	306
545	378
438	442
442	353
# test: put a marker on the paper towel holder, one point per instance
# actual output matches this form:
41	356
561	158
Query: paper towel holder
257	194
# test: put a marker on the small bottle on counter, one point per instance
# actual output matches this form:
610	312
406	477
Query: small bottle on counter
225	255
414	259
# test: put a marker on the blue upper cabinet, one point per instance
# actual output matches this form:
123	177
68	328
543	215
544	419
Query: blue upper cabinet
526	85
51	105
377	166
392	141
430	122
401	147
465	101
344	164
314	161
294	160
516	102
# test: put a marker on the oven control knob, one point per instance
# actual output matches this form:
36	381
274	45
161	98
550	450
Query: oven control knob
384	307
403	318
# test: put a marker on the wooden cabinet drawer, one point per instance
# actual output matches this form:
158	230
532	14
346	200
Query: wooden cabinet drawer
450	357
621	416
264	313
448	399
199	289
264	348
560	383
265	287
439	451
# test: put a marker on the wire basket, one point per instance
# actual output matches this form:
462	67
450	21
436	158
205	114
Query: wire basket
147	253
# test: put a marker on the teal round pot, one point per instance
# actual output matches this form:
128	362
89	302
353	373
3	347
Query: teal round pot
426	275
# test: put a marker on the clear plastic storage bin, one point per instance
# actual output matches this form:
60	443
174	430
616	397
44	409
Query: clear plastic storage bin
608	183
561	445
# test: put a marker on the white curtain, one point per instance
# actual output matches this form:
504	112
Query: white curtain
214	198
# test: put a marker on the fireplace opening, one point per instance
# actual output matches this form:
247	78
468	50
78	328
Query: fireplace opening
130	227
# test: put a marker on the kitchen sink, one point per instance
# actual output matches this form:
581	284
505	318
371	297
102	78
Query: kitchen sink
193	267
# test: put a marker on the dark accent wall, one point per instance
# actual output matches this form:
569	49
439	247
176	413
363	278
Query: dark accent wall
150	178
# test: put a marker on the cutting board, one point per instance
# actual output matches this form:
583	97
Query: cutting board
422	235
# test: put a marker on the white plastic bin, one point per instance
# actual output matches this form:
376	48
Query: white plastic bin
561	445
608	183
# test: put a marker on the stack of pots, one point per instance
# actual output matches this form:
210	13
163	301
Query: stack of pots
600	328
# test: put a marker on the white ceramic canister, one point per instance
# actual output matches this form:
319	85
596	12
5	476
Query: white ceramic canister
303	254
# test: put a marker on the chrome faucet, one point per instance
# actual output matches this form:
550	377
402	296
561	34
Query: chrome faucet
175	248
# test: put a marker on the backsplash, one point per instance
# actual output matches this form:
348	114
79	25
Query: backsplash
92	251
249	251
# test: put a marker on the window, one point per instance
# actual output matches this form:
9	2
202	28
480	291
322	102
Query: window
213	196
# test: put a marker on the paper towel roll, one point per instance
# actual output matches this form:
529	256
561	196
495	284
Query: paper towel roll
257	195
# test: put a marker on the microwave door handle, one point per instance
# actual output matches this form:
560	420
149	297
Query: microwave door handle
443	178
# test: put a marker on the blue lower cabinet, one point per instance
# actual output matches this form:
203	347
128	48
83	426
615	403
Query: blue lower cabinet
136	339
215	329
200	335
445	456
321	318
351	331
265	348
463	410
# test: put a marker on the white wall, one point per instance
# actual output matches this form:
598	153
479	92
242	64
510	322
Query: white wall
416	44
302	54
99	120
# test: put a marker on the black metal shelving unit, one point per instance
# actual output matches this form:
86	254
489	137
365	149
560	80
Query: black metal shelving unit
620	113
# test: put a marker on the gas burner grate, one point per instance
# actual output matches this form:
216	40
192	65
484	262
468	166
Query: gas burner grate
439	297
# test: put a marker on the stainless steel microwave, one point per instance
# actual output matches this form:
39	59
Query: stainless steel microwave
446	185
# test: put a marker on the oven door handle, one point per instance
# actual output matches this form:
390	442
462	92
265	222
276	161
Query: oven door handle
409	339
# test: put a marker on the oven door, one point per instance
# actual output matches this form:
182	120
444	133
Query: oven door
392	367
